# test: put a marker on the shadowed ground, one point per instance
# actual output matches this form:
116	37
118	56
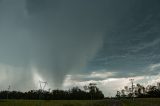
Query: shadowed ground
115	103
123	102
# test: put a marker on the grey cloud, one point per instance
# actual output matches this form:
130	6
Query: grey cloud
134	44
60	37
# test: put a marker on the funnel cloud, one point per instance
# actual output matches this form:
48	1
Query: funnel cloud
53	36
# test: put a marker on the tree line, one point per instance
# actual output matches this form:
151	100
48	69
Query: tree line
139	91
90	92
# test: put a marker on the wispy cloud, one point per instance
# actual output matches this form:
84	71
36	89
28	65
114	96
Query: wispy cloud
143	45
154	67
100	74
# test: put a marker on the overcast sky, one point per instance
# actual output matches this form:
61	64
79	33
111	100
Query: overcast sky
75	42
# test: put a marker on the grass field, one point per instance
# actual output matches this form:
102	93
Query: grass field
142	102
124	102
51	103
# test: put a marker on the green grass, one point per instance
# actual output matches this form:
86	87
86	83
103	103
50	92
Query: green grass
124	102
142	102
52	103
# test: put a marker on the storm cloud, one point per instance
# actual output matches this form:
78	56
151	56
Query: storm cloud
57	38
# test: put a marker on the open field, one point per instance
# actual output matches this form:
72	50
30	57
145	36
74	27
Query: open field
52	103
124	102
142	102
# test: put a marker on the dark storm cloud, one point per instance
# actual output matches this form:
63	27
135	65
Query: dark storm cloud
67	36
64	36
134	46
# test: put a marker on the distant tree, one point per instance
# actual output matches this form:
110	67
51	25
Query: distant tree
95	92
74	93
118	95
123	95
141	92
